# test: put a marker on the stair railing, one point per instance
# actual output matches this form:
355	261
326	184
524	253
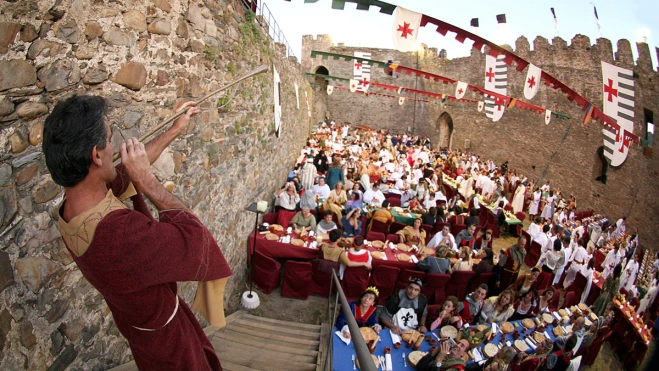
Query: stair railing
363	354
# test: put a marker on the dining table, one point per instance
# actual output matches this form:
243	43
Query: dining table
342	353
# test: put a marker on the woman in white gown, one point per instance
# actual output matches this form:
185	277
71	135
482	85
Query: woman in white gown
518	199
535	202
547	211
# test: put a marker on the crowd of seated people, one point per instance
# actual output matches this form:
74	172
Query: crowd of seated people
378	170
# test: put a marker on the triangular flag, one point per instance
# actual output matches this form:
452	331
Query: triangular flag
353	85
555	19
547	117
501	18
481	104
512	103
405	29
401	100
532	83
400	88
461	89
597	20
330	89
589	113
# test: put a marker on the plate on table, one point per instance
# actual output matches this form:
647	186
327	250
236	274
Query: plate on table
276	227
558	331
539	337
593	316
375	361
397	209
297	242
377	244
521	346
563	313
448	332
368	334
403	257
377	255
583	307
415	357
271	237
507	327
528	323
403	247
490	350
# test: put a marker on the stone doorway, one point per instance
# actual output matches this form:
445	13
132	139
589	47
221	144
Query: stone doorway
321	70
444	137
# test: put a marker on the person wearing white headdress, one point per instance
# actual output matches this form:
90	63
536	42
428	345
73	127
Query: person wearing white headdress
629	274
649	298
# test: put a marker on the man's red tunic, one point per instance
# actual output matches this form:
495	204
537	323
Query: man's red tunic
134	261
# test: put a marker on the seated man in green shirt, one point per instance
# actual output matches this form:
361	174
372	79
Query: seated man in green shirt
304	220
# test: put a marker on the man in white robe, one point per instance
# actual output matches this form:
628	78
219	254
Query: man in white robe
561	268
535	202
577	261
612	259
628	276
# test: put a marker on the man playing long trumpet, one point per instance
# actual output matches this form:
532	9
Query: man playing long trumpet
132	259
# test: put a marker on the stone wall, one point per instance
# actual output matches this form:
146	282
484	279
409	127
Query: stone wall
144	56
563	151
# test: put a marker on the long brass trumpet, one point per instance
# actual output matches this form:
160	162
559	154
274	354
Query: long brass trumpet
254	72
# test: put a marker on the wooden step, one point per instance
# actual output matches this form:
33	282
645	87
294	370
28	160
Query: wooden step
221	336
257	359
305	326
230	348
281	340
268	328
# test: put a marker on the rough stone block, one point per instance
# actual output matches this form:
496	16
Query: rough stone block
93	30
131	75
45	190
69	31
28	33
35	135
96	75
18	142
160	27
6	271
59	74
8	33
31	110
47	47
26	174
16	73
34	271
115	36
6	107
136	20
162	5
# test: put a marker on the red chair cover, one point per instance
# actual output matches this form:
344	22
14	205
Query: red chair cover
393	238
544	280
508	208
570	299
265	272
405	275
527	247
434	288
594	349
458	284
284	217
393	202
433	313
457	228
375	236
428	228
396	226
578	285
355	281
439	226
393	195
521	216
384	278
270	218
377	226
320	282
297	277
475	281
533	254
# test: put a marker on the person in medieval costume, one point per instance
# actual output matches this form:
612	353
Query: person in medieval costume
518	199
649	298
406	309
629	273
132	259
613	258
577	261
535	202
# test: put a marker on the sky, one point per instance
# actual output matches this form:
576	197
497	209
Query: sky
634	20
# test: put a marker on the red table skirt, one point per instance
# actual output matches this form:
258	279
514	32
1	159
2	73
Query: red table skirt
276	249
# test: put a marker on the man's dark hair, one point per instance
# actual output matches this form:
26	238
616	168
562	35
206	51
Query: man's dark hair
327	213
484	287
358	241
558	245
385	203
70	133
546	228
334	235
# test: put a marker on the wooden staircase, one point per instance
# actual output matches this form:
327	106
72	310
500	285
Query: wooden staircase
251	343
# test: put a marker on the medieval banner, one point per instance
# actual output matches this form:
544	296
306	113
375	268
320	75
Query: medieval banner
618	96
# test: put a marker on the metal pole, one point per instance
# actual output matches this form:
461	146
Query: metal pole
363	354
251	265
416	80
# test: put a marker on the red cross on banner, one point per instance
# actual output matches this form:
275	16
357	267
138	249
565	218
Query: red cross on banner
364	82
358	65
405	30
489	75
531	81
608	89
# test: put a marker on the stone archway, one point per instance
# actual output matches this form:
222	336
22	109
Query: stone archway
444	137
321	70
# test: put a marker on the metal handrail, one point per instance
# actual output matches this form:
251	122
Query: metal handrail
363	354
274	31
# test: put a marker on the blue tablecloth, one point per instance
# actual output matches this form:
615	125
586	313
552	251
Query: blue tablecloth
342	353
